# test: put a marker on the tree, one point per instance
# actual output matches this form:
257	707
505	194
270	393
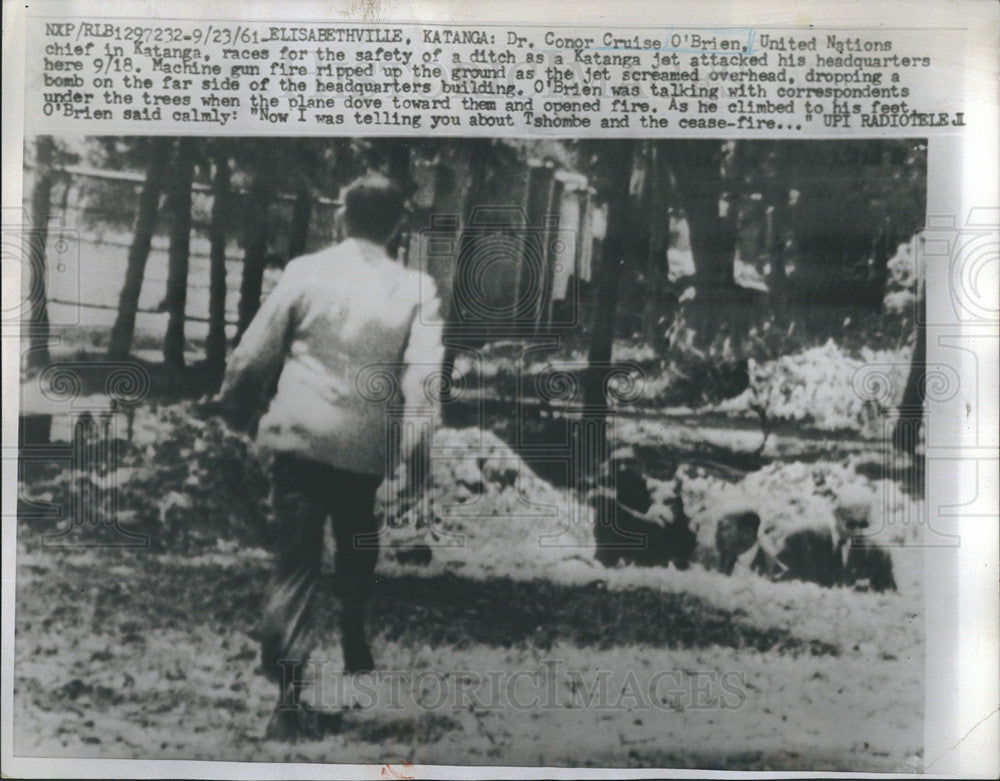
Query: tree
775	192
762	188
178	254
480	152
911	407
158	157
700	183
258	202
614	182
655	302
38	312
215	344
302	206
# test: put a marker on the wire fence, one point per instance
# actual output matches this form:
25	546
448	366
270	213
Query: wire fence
90	230
93	211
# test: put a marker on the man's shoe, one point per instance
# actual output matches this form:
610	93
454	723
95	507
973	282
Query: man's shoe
289	725
357	656
285	725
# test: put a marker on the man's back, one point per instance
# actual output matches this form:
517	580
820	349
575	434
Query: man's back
344	328
809	553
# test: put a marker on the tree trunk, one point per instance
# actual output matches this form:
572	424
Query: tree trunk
442	218
884	247
616	248
179	200
642	232
120	343
479	159
658	306
777	281
398	165
699	179
215	344
698	168
775	189
298	229
255	246
911	408
543	312
38	305
531	265
400	175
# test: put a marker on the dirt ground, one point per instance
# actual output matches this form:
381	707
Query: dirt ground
553	661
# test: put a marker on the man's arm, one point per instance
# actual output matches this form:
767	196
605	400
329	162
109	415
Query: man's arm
258	357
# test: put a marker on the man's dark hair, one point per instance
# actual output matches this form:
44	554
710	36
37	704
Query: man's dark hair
372	207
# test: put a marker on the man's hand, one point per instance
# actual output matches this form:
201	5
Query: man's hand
208	406
236	416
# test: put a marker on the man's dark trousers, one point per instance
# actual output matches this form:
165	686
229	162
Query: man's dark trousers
305	494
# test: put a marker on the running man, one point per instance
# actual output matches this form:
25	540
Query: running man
333	316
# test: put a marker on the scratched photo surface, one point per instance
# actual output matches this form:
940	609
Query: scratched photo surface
473	451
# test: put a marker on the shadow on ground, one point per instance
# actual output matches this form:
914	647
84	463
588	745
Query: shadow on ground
435	610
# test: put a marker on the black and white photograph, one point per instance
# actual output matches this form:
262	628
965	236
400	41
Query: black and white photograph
520	390
479	451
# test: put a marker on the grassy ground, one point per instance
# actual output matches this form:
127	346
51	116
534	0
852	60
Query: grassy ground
150	652
150	655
